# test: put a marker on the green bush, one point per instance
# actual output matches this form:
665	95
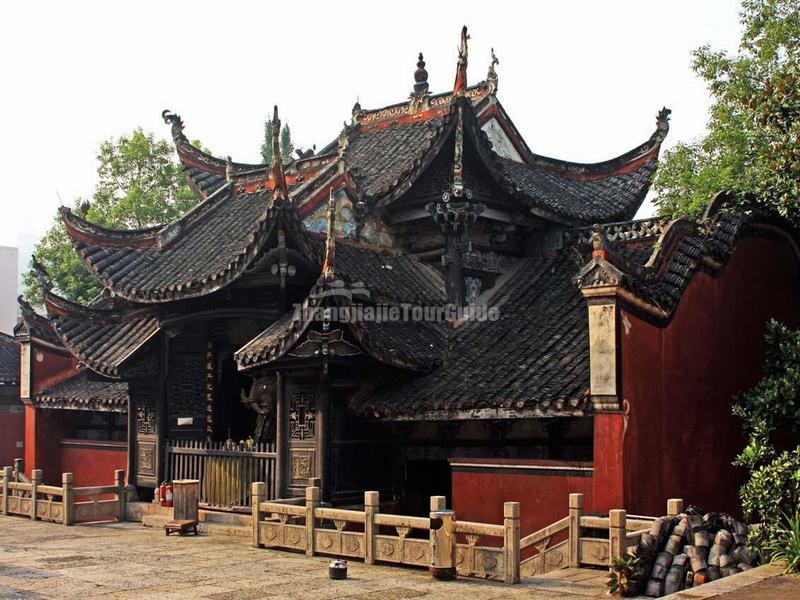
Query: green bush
785	544
773	487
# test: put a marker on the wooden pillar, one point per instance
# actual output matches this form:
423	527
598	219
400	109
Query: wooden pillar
281	436
674	506
119	483
617	532
67	498
258	491
371	508
7	474
511	541
575	514
324	437
132	450
36	480
312	502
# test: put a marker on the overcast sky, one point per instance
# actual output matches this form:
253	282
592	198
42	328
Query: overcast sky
582	80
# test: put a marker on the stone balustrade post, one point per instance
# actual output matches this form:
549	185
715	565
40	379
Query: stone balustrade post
617	533
18	469
511	540
67	498
371	508
7	475
258	492
674	506
119	483
312	502
575	514
36	480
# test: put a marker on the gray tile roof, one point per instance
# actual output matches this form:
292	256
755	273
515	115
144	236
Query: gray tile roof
81	392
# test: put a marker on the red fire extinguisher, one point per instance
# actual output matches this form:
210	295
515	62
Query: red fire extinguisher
167	494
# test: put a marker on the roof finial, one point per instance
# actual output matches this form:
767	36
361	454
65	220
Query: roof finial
171	118
491	76
279	189
420	77
460	86
329	265
228	169
662	125
41	274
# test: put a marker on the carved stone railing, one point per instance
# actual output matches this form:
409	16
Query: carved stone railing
58	504
576	540
381	537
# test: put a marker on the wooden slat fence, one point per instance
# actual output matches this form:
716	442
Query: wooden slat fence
57	503
574	541
226	471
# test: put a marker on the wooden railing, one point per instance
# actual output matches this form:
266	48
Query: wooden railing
57	503
226	471
574	541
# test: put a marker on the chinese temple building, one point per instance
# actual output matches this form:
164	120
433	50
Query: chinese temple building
12	422
424	306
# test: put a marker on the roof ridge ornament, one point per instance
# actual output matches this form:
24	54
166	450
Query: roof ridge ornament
329	265
491	75
662	125
228	169
420	98
173	119
279	196
41	274
460	86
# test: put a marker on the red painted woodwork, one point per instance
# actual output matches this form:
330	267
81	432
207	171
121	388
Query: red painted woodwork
12	430
678	380
53	367
93	463
44	430
543	494
608	480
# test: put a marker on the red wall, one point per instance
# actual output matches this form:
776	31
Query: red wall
93	463
479	491
12	430
678	380
44	430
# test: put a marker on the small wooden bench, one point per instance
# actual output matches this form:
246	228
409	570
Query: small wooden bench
182	526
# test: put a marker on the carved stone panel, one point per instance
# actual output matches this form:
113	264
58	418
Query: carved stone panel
302	465
146	458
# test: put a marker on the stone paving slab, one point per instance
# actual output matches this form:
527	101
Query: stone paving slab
126	560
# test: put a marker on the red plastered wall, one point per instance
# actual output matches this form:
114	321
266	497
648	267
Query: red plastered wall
678	380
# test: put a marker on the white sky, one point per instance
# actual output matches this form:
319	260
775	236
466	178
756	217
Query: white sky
582	80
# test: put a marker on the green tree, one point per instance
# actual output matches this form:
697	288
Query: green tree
140	184
770	414
753	141
286	144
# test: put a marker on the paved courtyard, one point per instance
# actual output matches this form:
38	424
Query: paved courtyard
126	560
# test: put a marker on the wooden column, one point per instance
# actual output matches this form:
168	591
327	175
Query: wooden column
371	508
617	525
258	491
511	542
67	498
119	483
281	436
312	502
575	513
132	450
7	474
36	480
324	437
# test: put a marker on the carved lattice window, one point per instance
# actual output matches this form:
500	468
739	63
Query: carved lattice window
302	415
